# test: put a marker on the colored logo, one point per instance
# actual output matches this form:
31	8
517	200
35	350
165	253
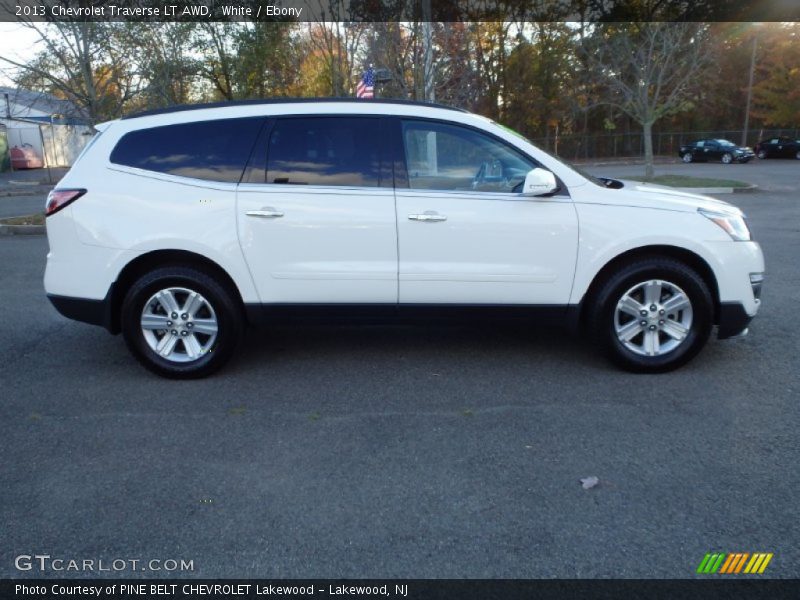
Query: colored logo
735	562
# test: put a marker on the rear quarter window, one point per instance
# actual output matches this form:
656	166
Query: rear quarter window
211	150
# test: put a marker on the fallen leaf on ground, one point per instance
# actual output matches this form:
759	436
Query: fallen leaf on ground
589	482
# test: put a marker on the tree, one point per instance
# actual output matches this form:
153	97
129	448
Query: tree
647	70
539	69
84	62
777	96
167	68
215	41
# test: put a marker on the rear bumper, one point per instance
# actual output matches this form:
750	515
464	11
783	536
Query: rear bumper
94	312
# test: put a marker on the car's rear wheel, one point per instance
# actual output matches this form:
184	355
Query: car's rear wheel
727	158
180	322
652	315
687	157
797	155
762	154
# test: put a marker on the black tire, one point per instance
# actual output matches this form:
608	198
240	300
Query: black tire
226	310
604	306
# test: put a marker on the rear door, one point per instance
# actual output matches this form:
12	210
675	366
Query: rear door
316	216
711	149
784	147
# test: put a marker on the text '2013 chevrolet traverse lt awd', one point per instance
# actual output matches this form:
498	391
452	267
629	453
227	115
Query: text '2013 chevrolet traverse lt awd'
181	228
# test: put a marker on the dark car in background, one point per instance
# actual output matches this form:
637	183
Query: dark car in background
714	149
778	147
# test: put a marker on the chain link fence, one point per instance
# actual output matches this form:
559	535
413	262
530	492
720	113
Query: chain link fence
627	145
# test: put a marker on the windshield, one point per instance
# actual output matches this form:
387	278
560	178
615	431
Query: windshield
725	143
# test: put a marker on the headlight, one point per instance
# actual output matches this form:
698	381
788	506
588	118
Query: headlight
734	225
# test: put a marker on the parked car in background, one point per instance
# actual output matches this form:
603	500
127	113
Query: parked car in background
778	147
183	227
712	149
25	157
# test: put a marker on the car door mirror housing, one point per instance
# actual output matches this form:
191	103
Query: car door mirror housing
539	182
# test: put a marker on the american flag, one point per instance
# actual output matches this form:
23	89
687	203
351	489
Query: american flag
366	87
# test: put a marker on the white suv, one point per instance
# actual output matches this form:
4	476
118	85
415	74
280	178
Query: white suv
181	228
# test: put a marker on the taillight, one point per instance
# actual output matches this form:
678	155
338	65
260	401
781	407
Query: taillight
58	199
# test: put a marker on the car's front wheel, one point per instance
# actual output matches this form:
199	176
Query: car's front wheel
652	315
180	322
762	154
727	158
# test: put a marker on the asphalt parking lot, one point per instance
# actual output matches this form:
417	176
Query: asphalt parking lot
445	452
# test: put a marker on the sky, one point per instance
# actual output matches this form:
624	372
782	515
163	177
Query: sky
16	42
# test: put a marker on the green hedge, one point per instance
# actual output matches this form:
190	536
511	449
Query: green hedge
5	158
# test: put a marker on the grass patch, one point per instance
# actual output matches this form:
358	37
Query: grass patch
37	219
688	181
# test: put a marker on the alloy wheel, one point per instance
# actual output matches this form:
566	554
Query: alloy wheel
179	324
653	318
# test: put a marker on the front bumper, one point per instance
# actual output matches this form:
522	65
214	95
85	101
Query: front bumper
733	320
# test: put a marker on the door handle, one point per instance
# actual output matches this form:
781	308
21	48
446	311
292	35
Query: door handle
265	213
428	216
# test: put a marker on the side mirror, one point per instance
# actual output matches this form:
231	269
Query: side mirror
539	182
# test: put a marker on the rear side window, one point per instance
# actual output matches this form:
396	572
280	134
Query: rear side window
325	151
211	150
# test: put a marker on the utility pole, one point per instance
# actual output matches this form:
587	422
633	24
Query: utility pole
427	82
750	89
427	53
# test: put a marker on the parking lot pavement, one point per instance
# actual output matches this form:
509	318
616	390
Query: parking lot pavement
405	451
771	175
17	206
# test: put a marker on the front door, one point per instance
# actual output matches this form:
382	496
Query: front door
466	234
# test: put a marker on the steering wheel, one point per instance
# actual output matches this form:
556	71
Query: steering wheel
489	166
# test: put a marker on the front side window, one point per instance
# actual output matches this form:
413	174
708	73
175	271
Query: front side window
451	158
211	150
338	151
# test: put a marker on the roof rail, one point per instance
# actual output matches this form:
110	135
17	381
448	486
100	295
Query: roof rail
188	107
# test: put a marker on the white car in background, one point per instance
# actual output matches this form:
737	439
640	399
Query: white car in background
184	227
